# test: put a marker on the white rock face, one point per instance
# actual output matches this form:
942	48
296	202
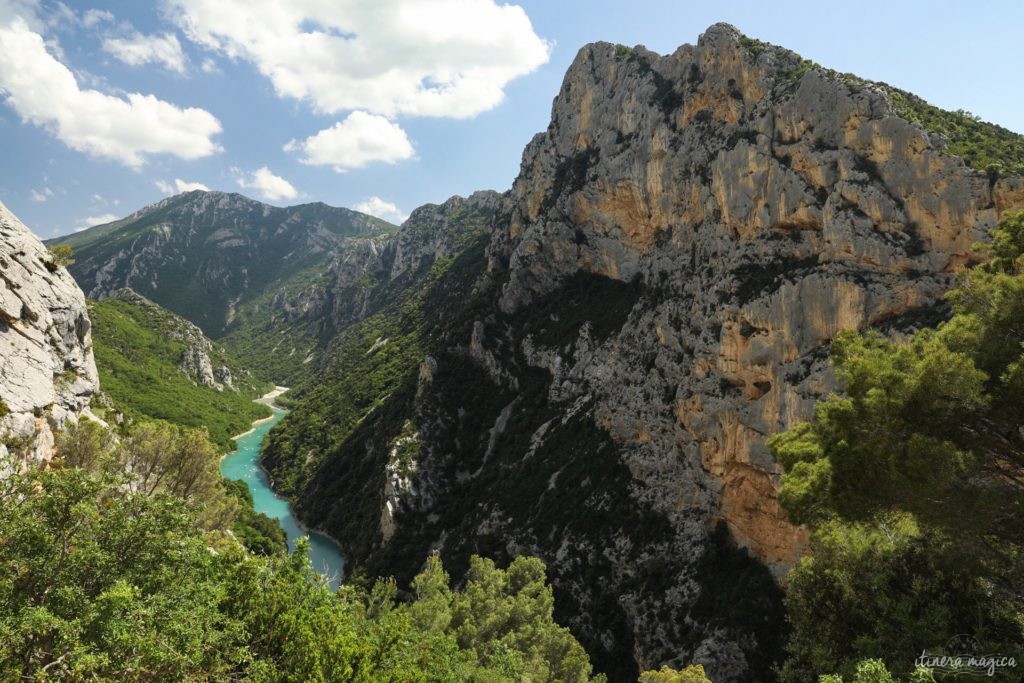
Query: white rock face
47	372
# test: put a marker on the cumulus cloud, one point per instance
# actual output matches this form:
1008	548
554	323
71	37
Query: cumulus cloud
90	221
271	187
44	92
139	50
179	186
375	206
358	140
448	58
40	196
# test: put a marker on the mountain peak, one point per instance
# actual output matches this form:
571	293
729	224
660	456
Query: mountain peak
719	34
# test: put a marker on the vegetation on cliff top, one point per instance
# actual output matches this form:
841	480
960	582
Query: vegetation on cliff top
983	146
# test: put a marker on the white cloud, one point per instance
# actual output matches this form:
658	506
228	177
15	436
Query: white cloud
92	17
448	58
375	206
139	50
208	66
358	140
179	186
271	187
40	196
90	221
45	92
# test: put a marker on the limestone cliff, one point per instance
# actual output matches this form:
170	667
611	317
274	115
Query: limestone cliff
47	373
772	205
591	378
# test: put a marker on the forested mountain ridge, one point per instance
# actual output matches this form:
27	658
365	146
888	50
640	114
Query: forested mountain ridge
360	280
593	376
211	256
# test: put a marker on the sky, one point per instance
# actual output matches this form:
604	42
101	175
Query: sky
107	106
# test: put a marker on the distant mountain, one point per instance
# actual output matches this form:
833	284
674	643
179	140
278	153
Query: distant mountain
206	255
155	364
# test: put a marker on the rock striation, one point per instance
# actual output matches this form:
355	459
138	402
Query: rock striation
47	372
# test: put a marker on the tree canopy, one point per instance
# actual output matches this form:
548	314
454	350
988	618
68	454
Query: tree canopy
913	483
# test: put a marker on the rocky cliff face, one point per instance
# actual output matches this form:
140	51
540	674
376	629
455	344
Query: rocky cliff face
771	205
47	373
433	233
654	298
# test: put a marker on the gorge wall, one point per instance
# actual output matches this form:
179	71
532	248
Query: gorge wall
771	205
590	373
47	372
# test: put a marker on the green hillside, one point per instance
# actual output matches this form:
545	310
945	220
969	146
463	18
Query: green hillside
137	356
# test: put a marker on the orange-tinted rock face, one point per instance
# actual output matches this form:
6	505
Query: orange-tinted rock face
730	219
765	215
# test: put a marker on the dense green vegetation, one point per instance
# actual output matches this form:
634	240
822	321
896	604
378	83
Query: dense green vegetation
137	357
691	674
984	146
106	576
913	485
273	347
255	530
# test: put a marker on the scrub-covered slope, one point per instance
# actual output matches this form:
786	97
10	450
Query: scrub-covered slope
153	363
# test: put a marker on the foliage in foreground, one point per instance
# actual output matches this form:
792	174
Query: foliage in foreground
102	579
913	486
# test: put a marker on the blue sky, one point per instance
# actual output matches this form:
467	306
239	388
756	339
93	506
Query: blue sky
108	106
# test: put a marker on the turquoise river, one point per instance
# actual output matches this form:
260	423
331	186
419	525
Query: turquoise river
244	464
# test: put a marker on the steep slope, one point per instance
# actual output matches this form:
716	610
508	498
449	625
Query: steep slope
207	255
47	373
153	363
660	289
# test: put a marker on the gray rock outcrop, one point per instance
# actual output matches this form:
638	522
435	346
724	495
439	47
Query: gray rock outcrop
47	372
767	204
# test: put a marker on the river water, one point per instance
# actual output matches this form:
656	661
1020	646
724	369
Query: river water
244	464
